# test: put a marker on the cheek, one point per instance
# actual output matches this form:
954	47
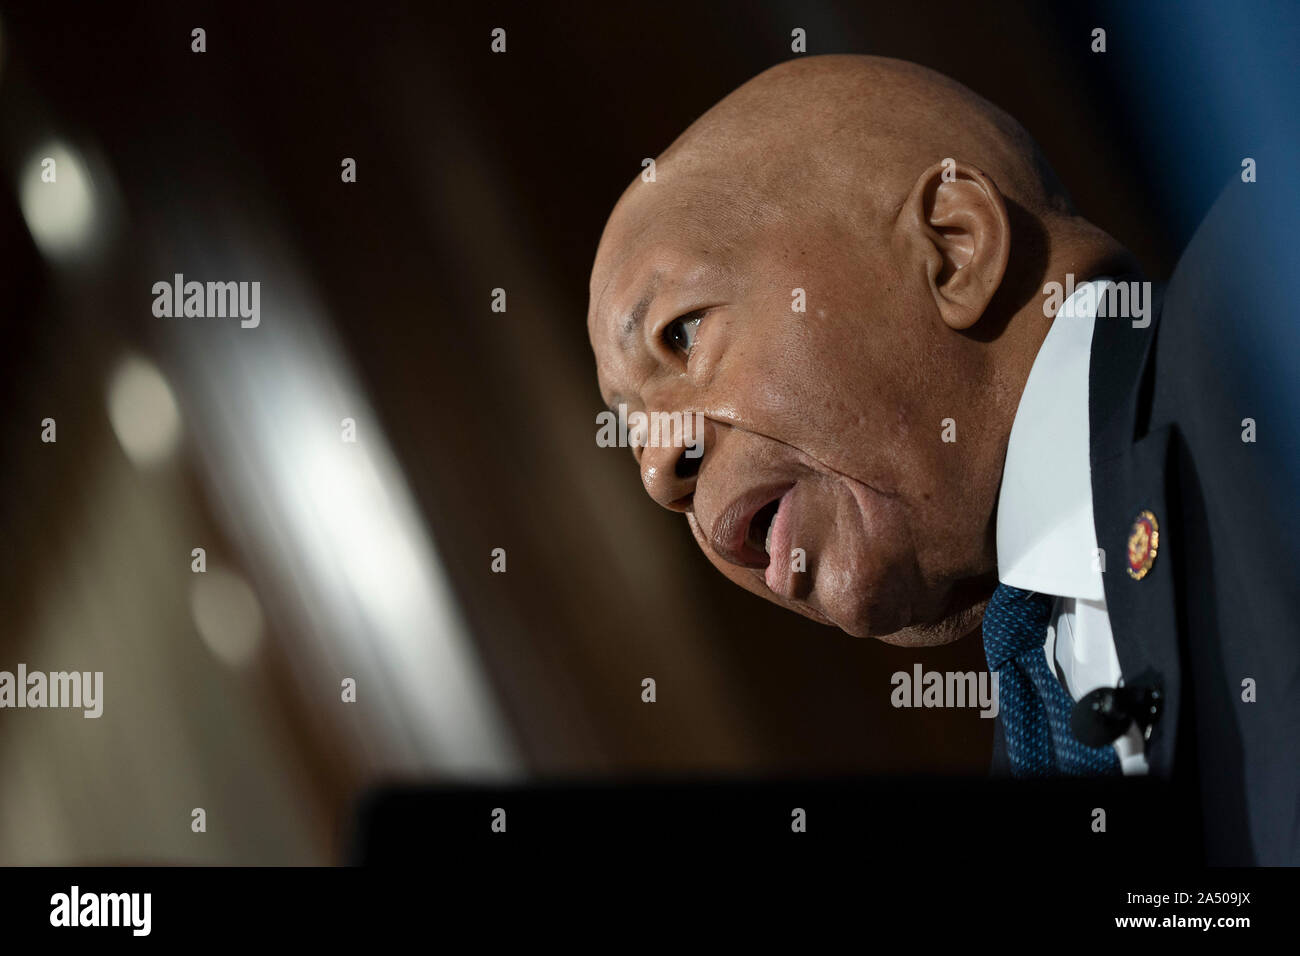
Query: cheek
838	385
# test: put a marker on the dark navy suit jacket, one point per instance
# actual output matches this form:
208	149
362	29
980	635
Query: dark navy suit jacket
1214	620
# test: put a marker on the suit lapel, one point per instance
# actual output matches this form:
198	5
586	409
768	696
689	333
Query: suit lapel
1130	469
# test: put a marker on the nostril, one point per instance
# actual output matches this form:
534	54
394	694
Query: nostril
687	467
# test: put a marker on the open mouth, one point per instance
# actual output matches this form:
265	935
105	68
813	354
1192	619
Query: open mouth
750	526
759	535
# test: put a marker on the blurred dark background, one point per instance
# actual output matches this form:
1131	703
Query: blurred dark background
328	559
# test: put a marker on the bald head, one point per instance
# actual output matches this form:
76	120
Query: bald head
828	265
831	119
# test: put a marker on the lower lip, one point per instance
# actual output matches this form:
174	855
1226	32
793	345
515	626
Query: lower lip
777	574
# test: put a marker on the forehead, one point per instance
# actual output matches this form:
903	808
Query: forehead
659	239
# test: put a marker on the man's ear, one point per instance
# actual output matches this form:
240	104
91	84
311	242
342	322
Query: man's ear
955	223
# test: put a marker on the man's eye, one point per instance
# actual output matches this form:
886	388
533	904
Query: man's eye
680	333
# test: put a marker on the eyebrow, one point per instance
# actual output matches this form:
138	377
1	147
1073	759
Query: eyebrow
636	319
632	327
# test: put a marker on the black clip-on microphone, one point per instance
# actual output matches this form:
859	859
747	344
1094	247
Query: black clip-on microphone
1106	713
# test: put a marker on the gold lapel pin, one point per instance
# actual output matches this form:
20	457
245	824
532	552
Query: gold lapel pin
1143	543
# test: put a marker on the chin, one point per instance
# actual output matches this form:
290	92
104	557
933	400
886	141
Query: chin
944	631
891	624
871	605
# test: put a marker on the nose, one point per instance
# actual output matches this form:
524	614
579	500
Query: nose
669	469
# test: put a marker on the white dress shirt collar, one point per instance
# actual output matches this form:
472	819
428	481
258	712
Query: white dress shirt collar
1046	537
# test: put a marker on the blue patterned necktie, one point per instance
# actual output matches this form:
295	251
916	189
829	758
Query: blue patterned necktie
1033	706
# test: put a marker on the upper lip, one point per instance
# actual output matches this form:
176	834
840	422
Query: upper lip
727	536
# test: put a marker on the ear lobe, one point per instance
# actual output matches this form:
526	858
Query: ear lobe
957	221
